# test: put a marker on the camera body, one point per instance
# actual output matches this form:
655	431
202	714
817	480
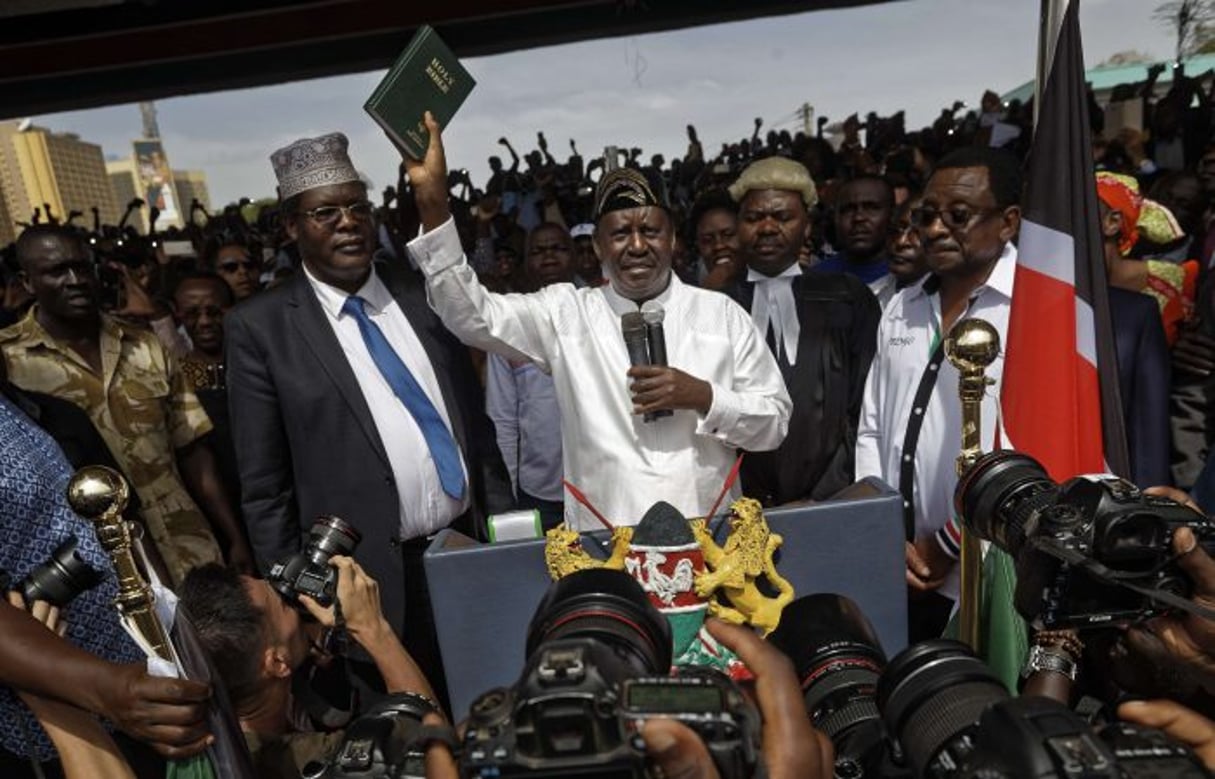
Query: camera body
1075	543
1021	737
567	717
953	719
598	663
308	572
380	744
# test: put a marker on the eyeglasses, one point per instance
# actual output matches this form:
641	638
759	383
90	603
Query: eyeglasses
955	218
231	267
327	216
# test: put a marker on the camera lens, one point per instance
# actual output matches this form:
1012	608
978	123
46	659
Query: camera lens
932	693
61	578
331	536
610	607
838	658
1000	495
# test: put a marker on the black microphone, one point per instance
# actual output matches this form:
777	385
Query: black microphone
653	314
635	340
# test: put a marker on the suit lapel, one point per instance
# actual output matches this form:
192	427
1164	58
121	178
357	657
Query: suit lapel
309	319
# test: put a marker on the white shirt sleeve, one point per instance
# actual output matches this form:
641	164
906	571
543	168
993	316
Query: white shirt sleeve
753	413
515	326
869	428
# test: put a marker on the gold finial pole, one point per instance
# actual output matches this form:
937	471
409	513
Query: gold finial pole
100	494
971	346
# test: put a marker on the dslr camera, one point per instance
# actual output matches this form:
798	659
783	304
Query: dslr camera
58	580
938	712
308	572
598	663
380	744
1094	551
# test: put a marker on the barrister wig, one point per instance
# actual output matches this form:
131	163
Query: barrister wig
776	173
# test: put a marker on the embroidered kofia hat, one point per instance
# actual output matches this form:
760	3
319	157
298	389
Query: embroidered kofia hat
312	162
628	188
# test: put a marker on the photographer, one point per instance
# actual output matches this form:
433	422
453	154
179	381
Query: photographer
258	642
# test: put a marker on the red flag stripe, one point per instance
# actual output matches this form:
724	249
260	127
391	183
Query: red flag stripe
1050	395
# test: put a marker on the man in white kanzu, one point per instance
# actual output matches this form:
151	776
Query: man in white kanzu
723	386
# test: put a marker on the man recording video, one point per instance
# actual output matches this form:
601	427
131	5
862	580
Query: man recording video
259	641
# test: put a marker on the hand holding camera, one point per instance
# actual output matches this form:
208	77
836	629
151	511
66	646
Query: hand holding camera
359	596
1189	637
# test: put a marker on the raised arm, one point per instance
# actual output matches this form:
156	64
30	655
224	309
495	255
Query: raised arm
515	326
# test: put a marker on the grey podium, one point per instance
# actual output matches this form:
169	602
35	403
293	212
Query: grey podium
483	595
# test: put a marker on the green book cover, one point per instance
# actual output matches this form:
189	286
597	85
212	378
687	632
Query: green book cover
426	77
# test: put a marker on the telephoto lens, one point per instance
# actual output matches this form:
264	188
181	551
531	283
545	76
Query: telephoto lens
329	536
838	658
606	606
61	578
931	697
1000	497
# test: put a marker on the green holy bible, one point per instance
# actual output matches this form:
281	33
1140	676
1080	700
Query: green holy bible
426	77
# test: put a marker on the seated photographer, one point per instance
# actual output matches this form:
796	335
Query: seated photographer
258	641
791	748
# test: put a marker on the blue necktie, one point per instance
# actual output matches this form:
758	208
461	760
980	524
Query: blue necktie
438	438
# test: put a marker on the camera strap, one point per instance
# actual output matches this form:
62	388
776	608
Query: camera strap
428	734
911	439
1103	574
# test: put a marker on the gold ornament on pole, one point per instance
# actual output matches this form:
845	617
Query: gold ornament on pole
971	346
100	494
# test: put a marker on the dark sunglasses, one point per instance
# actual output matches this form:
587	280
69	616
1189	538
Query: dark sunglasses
230	267
955	218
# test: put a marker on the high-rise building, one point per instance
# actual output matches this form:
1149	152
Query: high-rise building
125	183
59	171
191	185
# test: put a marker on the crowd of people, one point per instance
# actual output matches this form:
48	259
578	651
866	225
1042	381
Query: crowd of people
454	352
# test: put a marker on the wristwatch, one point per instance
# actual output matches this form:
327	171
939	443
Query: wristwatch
1046	659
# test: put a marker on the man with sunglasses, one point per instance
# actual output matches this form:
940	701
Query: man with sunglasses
236	266
911	419
348	397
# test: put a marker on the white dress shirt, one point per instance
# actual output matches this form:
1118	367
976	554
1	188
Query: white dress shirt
772	305
425	507
622	464
907	336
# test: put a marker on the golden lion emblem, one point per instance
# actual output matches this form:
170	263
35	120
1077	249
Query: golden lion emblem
733	570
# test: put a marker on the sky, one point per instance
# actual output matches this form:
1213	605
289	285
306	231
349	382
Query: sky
912	55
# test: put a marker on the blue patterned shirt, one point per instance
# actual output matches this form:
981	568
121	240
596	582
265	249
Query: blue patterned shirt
34	519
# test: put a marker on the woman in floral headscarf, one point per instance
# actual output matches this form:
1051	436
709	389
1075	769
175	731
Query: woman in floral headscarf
1173	285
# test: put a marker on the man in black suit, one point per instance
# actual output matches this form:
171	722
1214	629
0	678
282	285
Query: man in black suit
822	328
348	397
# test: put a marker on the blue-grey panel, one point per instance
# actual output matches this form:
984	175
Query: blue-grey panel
484	594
